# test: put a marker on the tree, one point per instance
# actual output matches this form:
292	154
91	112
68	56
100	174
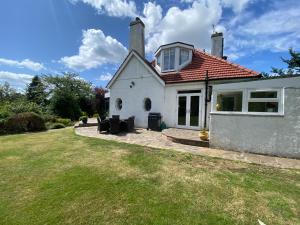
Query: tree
36	91
293	64
7	93
99	101
67	93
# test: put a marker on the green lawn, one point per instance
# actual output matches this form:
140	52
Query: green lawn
57	177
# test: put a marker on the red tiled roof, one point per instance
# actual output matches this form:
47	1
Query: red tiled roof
217	69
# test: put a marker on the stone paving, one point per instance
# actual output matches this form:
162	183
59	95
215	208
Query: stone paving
158	140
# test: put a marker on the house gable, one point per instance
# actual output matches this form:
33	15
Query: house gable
136	67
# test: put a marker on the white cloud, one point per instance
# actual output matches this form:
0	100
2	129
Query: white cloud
117	8
105	77
28	64
236	5
192	25
96	49
275	30
17	80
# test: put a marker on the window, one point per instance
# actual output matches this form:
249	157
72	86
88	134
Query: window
230	101
169	59
158	60
119	104
184	56
263	101
147	104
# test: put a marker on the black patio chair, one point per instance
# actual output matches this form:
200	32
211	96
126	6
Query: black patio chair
103	125
114	125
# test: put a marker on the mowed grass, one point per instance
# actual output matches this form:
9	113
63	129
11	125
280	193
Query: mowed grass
57	177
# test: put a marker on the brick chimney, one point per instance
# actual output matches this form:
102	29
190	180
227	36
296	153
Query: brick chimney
217	44
137	36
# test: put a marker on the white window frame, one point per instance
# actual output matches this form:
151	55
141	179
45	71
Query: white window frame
247	98
277	99
163	60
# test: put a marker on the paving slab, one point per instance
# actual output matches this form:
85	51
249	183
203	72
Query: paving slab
155	139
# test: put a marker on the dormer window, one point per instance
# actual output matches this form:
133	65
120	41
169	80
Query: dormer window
169	59
184	56
173	57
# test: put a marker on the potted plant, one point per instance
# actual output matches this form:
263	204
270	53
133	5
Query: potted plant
204	135
83	119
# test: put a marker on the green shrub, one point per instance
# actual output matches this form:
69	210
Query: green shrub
65	122
57	126
2	126
25	106
24	122
84	119
48	118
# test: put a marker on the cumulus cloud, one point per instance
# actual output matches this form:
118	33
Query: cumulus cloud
105	77
96	49
17	80
28	64
192	25
117	8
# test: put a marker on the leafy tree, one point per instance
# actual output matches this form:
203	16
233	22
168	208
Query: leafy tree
99	101
293	64
7	93
36	91
67	92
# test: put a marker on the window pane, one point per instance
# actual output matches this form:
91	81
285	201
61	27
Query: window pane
172	58
184	56
158	59
166	59
230	101
194	112
264	94
263	107
182	110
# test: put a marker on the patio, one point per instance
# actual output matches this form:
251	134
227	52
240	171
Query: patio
155	139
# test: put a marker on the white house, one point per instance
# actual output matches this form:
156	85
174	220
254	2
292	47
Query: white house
177	83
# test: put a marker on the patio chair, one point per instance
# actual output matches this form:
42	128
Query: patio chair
114	124
103	125
130	123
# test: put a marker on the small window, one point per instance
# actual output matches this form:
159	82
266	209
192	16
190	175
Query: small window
263	94
230	101
169	59
119	104
263	101
147	104
184	56
158	60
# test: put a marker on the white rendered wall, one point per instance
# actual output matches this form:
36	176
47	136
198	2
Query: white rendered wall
273	135
146	85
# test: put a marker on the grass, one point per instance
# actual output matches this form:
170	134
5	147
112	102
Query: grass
57	177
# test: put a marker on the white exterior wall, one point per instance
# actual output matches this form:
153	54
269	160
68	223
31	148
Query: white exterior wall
146	86
265	134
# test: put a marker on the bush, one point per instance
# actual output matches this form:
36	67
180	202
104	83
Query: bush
65	105
65	122
24	122
84	119
48	118
57	126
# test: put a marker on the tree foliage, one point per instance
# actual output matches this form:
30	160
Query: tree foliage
36	91
68	93
293	64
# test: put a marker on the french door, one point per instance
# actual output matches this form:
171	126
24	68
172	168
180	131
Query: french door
188	111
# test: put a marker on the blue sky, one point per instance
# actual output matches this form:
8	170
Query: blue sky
90	37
